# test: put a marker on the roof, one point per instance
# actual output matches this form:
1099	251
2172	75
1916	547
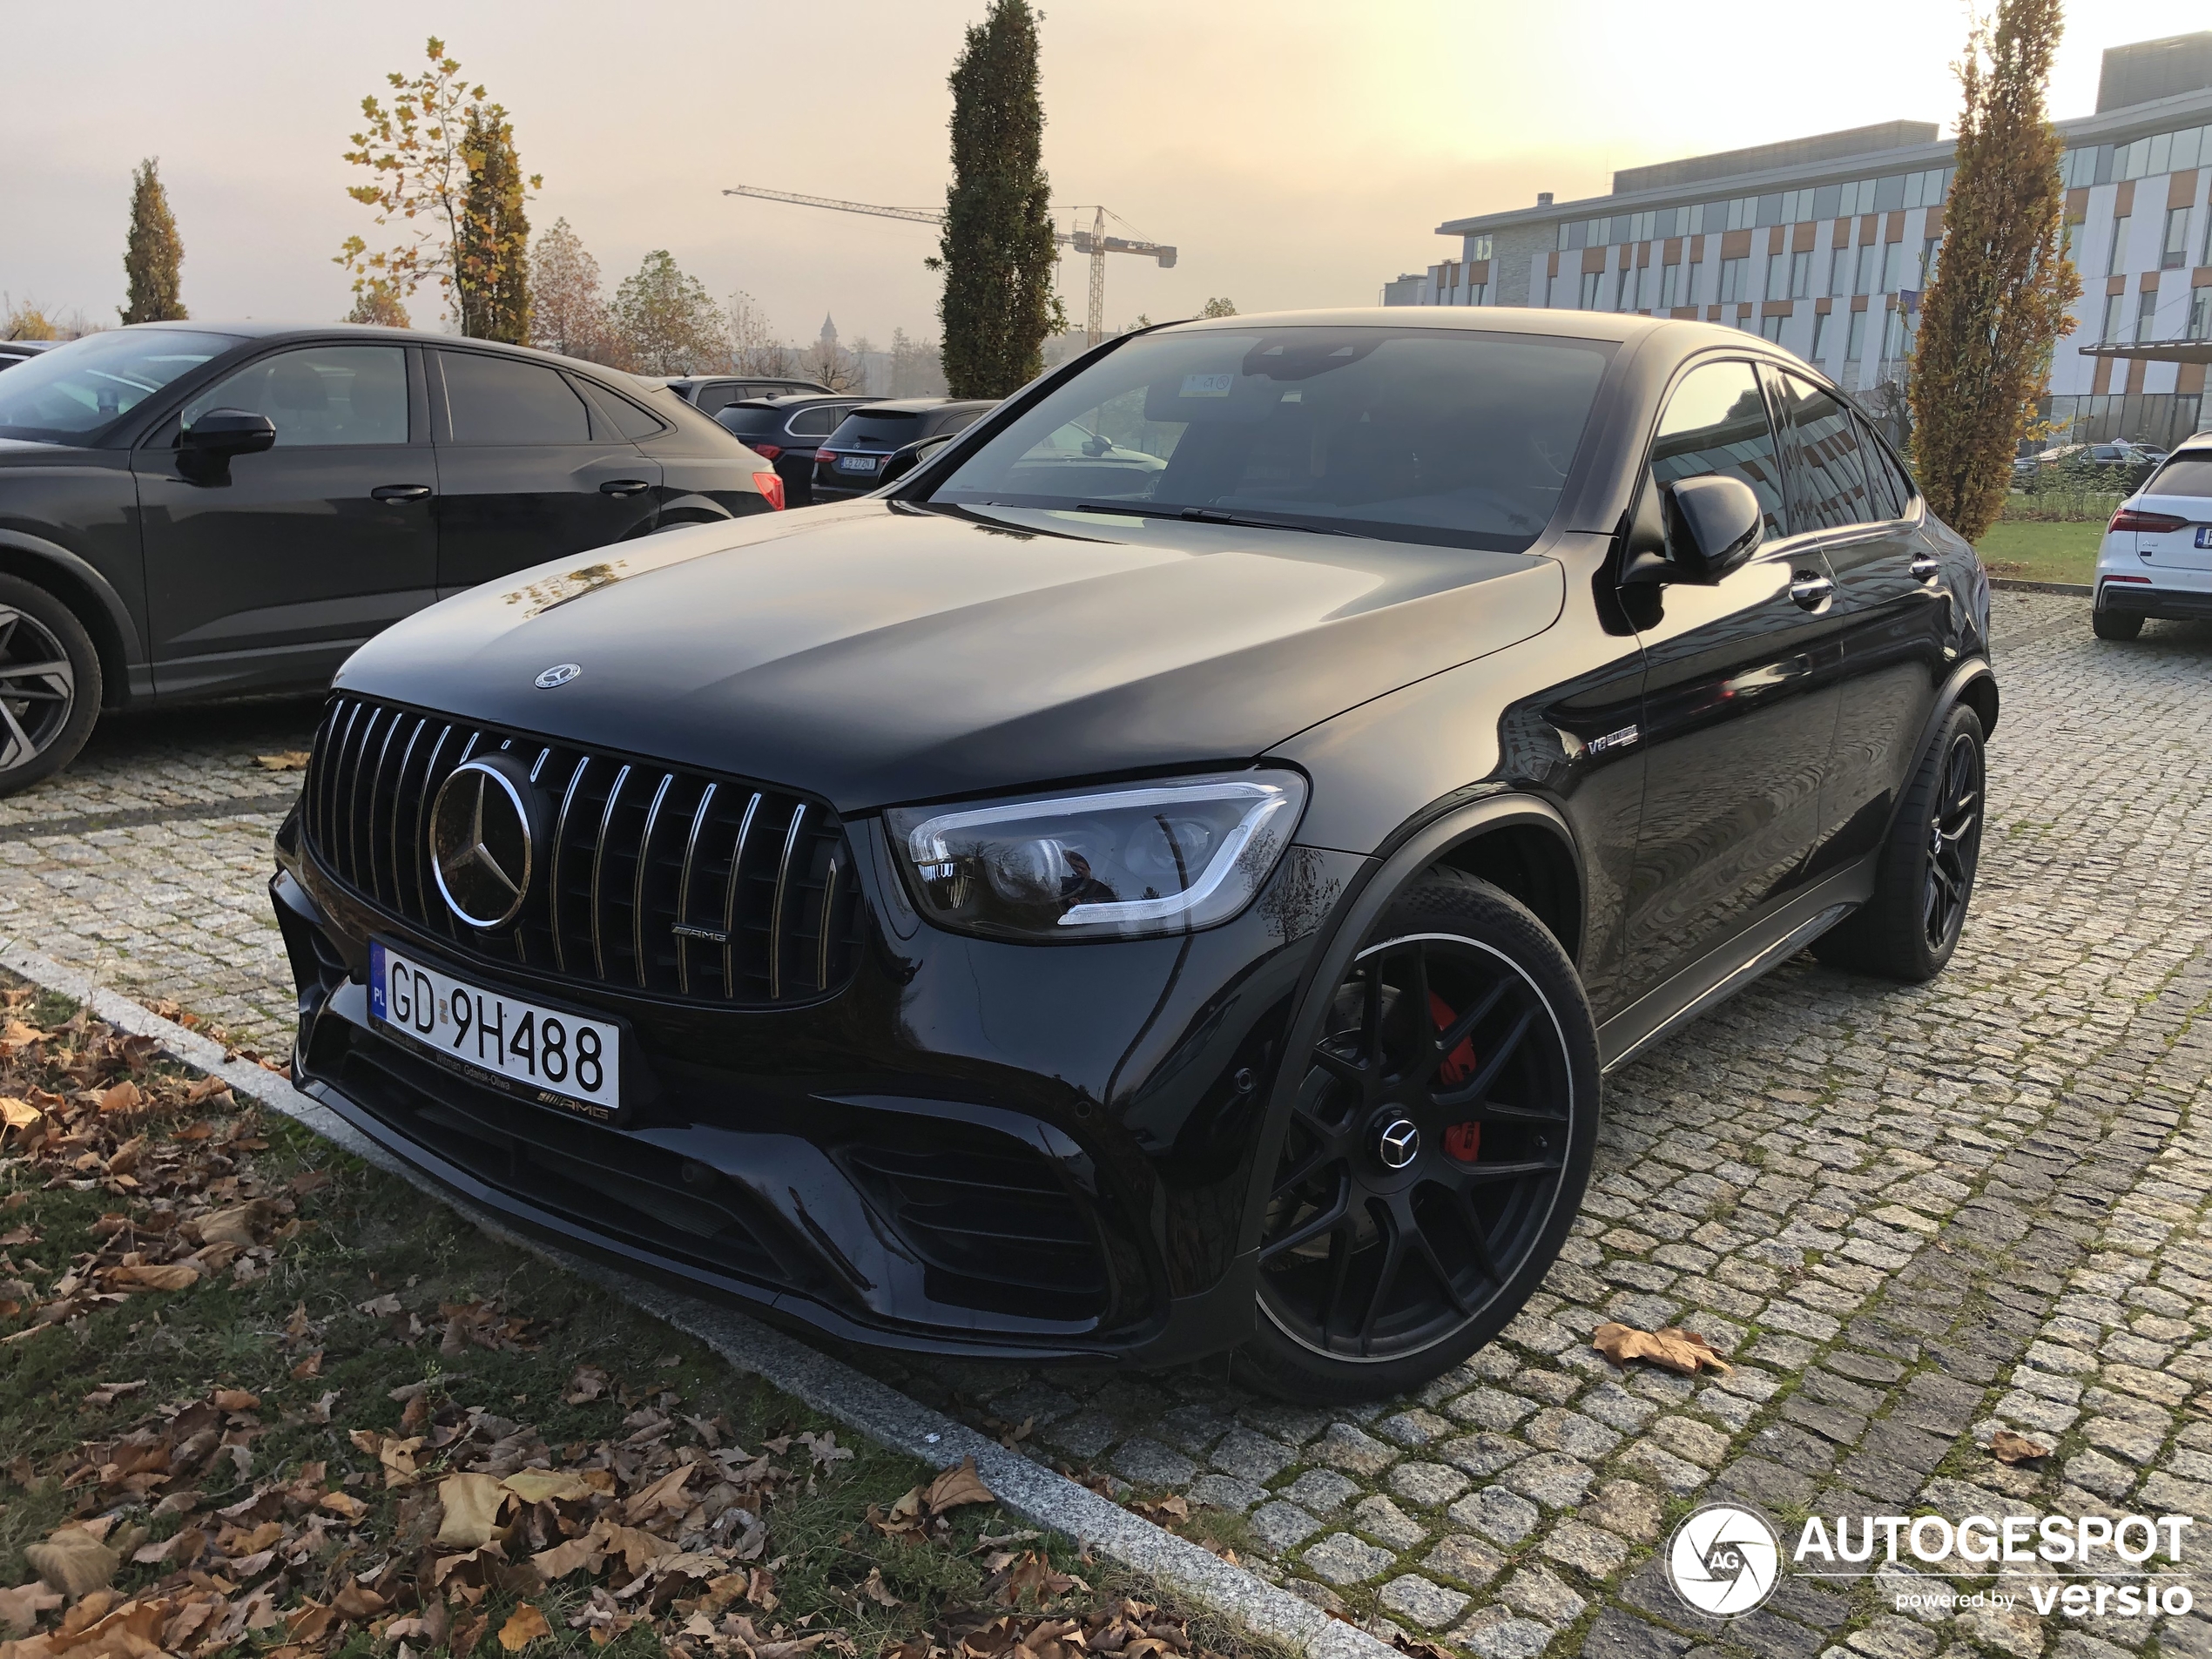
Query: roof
2156	351
1788	153
256	329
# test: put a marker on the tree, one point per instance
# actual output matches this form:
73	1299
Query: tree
374	302
417	151
26	320
754	349
153	255
997	252
568	312
1221	307
915	370
491	261
2004	287
666	321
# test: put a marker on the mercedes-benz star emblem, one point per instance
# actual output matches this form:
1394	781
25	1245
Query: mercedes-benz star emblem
480	844
559	674
1397	1143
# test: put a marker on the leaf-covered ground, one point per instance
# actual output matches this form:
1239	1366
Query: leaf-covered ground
256	1397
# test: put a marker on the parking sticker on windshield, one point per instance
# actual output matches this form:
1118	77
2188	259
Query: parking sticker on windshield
1207	385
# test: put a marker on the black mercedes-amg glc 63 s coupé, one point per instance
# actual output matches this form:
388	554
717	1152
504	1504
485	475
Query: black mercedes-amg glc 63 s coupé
1169	875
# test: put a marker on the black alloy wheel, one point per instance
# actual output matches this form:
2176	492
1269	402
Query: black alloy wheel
50	685
1438	1148
1924	877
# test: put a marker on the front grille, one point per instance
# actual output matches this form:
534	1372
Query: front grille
671	882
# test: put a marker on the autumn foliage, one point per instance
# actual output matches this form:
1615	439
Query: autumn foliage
2004	287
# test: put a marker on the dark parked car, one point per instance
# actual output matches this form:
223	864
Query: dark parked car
711	393
786	431
2122	467
188	509
1071	908
16	351
852	462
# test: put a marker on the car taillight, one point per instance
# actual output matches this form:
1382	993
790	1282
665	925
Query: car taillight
767	451
824	454
772	486
2128	518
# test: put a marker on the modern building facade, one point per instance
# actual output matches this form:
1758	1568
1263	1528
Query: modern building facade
1825	245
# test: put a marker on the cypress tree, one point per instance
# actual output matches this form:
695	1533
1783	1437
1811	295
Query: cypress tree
153	257
2003	287
997	252
491	250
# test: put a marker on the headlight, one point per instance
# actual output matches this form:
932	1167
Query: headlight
1146	858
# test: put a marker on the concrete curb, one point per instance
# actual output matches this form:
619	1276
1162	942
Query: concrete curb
1025	1487
2012	584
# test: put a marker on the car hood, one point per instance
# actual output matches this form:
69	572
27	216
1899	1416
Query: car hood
876	652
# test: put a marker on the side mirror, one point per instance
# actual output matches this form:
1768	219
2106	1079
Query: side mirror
1714	526
220	434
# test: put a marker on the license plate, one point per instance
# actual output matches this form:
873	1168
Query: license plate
856	464
2204	535
557	1058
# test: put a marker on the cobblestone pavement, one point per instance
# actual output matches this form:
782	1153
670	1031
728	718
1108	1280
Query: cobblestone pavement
1911	1217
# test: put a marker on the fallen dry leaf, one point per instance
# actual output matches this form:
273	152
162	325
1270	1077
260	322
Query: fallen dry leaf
1673	1347
525	1625
20	1607
873	1588
472	1505
73	1562
540	1486
957	1487
155	1275
283	760
2008	1448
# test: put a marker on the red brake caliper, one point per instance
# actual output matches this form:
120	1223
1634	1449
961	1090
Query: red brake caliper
1461	1141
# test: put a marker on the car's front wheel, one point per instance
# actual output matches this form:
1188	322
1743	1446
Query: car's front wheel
1443	1132
50	685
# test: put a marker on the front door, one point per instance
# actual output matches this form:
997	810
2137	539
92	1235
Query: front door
1740	699
527	472
268	575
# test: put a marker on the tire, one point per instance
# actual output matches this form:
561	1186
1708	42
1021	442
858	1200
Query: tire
50	685
1926	877
2116	624
1375	1278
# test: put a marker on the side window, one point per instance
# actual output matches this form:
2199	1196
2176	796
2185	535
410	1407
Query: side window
613	416
816	422
1885	480
499	400
1717	422
719	396
319	395
1828	487
958	420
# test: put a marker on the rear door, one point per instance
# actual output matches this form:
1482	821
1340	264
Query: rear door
1893	613
526	472
2181	491
270	576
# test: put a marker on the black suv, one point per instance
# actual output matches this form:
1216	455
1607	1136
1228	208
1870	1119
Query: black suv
711	393
188	509
787	431
860	452
1167	876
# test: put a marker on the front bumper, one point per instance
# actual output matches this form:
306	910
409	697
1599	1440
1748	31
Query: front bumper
1032	1152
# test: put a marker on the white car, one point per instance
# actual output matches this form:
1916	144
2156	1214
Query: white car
2157	556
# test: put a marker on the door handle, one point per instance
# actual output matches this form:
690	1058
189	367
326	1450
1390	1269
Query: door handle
1809	590
1925	566
400	492
624	487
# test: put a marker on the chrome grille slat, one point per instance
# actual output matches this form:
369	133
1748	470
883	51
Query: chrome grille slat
790	913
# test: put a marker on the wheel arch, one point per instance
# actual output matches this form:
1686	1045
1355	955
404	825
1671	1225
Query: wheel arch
91	598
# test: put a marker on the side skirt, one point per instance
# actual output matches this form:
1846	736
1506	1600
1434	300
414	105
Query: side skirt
1707	983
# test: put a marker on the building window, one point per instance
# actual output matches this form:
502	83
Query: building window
2201	313
2177	249
1591	282
2110	335
1892	268
1770	327
2146	316
1870	267
2117	261
1820	335
1929	251
1839	271
1477	248
1670	288
1736	280
1479	295
1801	275
1893	335
1855	342
1778	277
1647	288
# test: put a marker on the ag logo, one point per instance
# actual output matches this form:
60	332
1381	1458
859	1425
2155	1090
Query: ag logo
1724	1561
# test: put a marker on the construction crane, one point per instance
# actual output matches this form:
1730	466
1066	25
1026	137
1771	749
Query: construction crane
1094	241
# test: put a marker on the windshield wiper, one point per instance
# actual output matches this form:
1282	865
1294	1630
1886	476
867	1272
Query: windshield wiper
1207	516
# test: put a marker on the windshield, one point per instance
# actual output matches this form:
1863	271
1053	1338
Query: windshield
1415	435
77	388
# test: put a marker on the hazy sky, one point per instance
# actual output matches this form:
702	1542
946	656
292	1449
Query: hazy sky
1297	152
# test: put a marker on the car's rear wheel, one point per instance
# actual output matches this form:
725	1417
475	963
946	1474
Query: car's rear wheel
1925	880
50	685
1441	1137
2116	624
